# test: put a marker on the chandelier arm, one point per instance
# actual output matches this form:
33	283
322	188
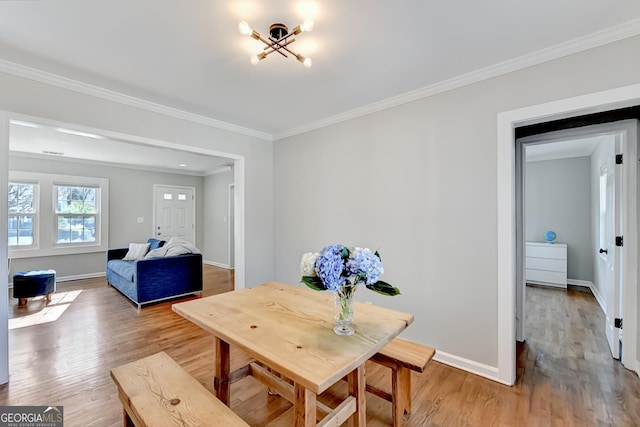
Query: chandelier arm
282	46
283	38
271	45
276	46
266	53
289	50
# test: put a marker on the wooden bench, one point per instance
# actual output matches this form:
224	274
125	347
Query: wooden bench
155	391
402	357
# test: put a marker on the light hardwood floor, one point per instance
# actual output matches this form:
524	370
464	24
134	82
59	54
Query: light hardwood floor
565	374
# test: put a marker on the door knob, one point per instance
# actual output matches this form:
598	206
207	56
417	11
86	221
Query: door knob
604	251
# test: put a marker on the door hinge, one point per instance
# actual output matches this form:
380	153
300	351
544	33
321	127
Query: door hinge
617	322
618	159
618	240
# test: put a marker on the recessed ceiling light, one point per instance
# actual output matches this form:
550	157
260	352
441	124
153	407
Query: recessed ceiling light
53	153
182	165
79	133
25	124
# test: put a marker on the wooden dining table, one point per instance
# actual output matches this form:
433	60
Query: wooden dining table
288	332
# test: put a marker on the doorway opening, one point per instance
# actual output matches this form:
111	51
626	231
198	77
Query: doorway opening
570	188
527	117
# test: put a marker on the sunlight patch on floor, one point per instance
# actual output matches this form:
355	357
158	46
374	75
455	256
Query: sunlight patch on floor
49	313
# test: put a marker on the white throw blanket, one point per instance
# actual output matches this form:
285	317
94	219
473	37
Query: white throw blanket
175	246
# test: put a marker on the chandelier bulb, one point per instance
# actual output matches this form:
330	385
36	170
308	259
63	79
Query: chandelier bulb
254	59
245	28
307	25
304	61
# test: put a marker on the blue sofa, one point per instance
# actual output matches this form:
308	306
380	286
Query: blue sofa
154	279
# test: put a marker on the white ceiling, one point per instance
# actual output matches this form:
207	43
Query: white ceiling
581	147
46	141
189	55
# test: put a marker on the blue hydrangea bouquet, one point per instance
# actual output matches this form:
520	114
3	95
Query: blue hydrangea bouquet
340	269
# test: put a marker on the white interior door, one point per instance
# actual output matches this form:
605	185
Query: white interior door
607	270
175	213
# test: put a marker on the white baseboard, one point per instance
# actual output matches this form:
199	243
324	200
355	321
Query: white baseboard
480	369
216	264
81	276
75	277
576	282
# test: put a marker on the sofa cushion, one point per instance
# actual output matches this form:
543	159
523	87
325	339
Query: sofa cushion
155	243
136	251
126	269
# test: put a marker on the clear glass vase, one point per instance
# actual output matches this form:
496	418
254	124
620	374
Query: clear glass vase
343	300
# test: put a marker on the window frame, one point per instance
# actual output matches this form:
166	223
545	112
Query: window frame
57	215
47	226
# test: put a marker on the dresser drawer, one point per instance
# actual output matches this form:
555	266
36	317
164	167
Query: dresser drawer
543	276
550	264
547	251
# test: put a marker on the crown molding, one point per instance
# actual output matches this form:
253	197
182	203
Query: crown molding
110	95
600	38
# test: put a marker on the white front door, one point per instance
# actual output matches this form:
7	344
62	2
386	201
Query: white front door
175	213
608	271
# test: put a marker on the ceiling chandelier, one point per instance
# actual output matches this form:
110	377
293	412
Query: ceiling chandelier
279	40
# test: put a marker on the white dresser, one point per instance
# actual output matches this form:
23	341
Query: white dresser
546	264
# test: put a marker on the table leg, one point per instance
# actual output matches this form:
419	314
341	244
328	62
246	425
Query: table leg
221	380
304	407
357	389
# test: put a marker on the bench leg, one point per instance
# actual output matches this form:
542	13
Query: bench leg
48	298
221	382
22	302
401	392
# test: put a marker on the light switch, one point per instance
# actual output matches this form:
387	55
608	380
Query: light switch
140	220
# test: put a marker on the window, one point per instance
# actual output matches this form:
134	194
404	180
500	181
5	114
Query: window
76	214
22	214
57	214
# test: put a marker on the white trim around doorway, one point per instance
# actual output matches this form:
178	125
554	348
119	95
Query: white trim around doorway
507	121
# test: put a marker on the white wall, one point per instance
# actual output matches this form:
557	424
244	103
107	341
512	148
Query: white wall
558	197
130	197
418	182
216	226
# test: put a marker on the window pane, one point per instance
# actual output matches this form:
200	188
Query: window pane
21	198
76	199
64	230
168	196
20	230
76	228
182	197
89	234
